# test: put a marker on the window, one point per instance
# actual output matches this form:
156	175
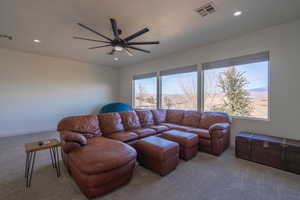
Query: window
238	86
145	91
179	88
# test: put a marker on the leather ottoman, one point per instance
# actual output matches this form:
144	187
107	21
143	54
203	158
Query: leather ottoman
158	154
188	142
101	166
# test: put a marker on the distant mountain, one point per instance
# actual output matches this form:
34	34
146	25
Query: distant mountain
261	89
261	92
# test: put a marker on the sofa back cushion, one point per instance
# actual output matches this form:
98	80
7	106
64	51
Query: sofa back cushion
159	115
191	118
85	124
110	123
175	116
146	117
130	120
210	118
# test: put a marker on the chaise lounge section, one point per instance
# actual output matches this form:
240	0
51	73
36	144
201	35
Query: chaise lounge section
97	164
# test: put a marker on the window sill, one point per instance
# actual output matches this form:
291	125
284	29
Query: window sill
251	118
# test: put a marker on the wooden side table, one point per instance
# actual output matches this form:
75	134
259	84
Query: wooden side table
32	148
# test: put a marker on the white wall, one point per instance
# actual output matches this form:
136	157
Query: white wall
37	91
282	41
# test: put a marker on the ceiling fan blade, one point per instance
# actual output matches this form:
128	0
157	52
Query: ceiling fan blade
142	43
138	49
88	28
128	52
114	27
137	34
112	52
100	46
81	38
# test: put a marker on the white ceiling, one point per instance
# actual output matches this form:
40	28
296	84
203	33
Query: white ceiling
173	22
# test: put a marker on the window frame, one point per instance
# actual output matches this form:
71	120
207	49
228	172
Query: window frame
175	71
257	58
141	77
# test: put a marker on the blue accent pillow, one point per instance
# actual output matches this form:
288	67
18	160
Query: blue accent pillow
115	107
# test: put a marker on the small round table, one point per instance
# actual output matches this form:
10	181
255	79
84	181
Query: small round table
32	148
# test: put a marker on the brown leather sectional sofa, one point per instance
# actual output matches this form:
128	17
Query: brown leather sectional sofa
98	152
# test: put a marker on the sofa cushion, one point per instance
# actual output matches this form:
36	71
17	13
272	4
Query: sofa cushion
85	124
159	115
101	155
183	138
202	133
123	136
130	120
175	116
110	123
191	118
144	132
176	126
159	128
146	117
210	118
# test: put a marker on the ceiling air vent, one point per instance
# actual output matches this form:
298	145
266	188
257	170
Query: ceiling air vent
206	9
5	37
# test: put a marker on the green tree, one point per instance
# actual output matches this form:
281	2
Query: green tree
236	101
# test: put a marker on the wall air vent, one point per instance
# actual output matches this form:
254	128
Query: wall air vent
3	36
207	8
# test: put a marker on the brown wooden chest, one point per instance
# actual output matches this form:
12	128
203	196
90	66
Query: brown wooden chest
276	152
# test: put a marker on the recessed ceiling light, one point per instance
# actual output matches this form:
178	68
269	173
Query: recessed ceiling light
237	13
37	41
116	59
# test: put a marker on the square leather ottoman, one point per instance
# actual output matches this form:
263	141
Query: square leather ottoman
188	142
157	154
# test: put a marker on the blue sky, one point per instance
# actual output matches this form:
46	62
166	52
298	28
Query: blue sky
256	73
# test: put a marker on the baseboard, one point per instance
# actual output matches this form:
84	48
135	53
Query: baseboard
2	135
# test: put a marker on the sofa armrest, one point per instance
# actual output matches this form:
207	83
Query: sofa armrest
73	137
220	137
69	146
218	130
219	126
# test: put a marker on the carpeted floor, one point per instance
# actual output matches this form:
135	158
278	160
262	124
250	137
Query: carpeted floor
203	178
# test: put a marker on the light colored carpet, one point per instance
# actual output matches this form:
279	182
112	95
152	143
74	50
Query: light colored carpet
203	178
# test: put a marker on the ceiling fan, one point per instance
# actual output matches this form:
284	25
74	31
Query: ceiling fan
117	43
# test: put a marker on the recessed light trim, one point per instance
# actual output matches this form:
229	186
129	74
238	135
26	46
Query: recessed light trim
237	13
36	41
6	36
116	59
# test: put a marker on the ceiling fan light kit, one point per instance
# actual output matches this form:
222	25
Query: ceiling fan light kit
118	48
117	43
